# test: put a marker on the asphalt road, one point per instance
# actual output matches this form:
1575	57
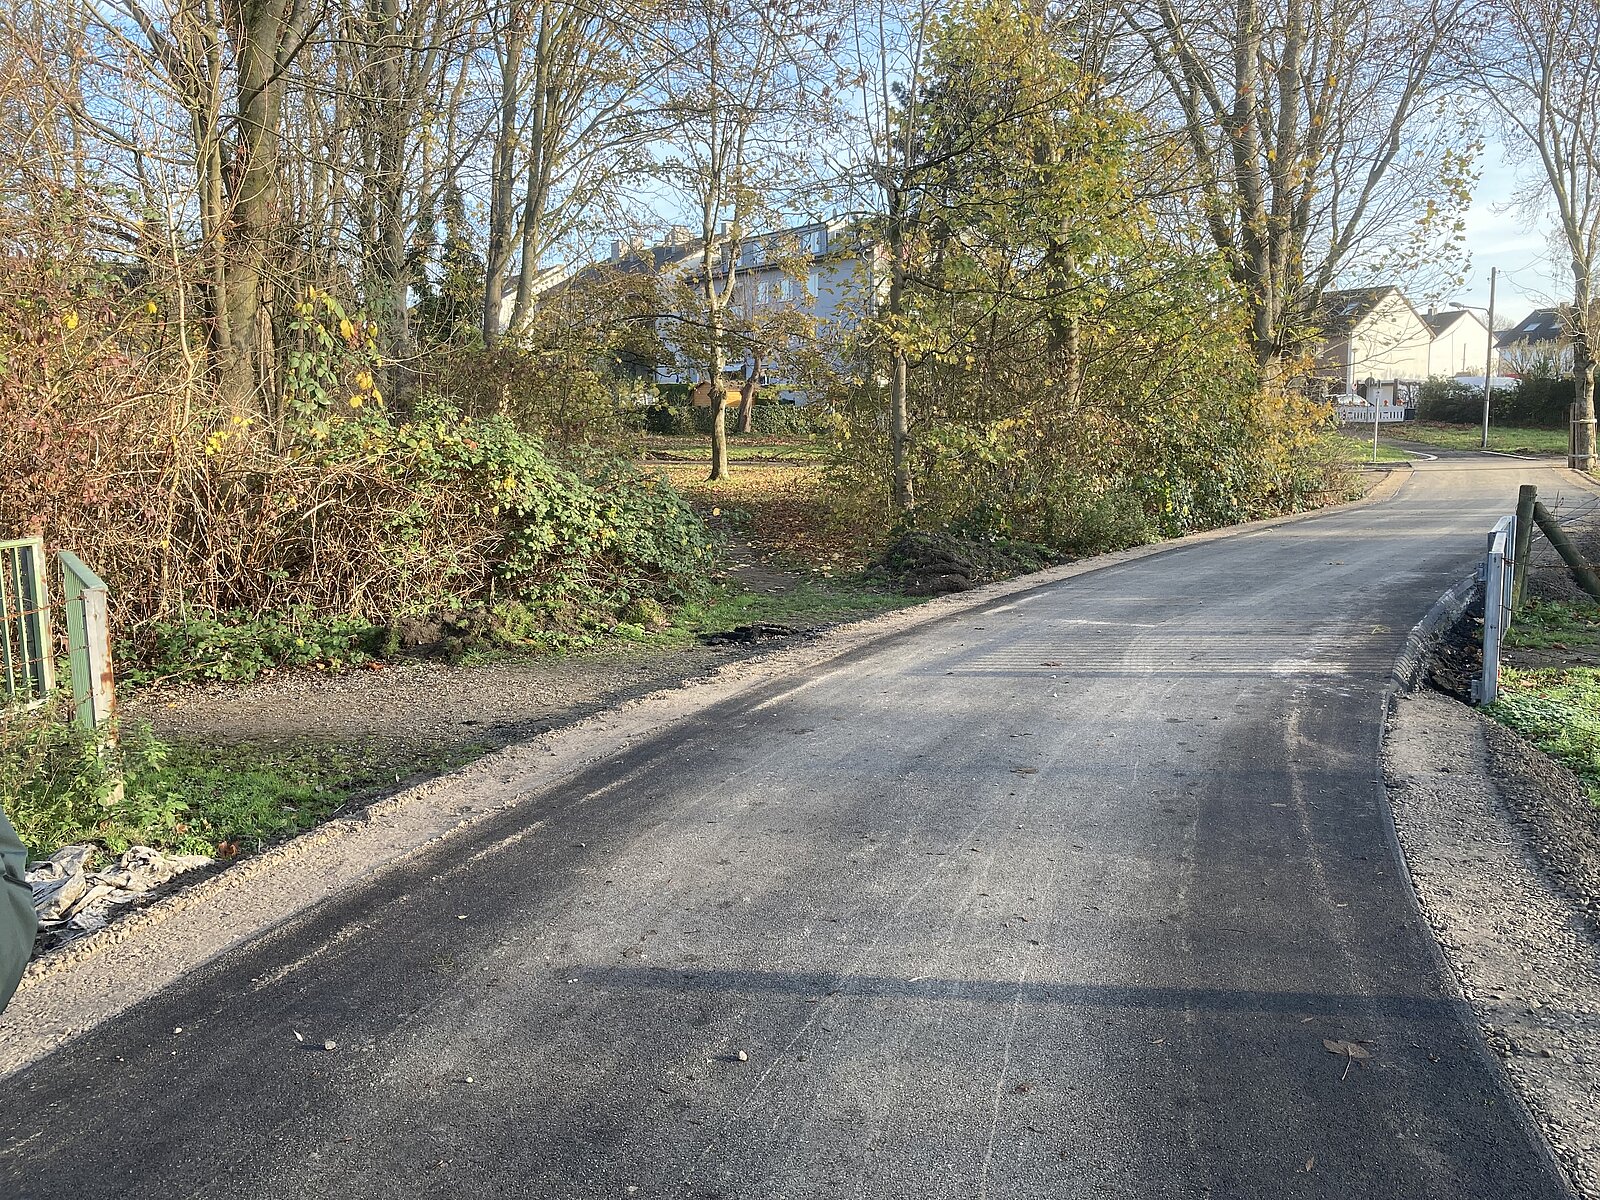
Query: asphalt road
1057	898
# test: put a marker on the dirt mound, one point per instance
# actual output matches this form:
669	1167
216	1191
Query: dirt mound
934	564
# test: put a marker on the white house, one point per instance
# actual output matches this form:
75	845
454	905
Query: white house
1460	343
1539	339
818	269
1375	343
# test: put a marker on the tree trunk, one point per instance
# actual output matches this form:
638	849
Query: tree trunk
502	172
719	404
904	494
388	273
539	167
905	498
748	394
247	358
1583	402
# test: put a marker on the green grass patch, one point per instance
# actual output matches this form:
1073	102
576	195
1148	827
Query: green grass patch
1510	439
1552	625
1558	710
742	447
1355	449
58	785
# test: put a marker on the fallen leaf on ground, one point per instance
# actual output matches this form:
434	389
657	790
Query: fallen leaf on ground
1349	1051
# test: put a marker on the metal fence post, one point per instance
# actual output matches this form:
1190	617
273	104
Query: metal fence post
1498	568
94	692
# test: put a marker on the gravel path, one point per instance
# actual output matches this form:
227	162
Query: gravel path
426	703
1525	953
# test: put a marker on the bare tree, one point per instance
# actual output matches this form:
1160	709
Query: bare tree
1312	138
565	125
1537	65
885	45
740	98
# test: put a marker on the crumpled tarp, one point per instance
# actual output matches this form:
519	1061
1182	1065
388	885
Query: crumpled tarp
70	898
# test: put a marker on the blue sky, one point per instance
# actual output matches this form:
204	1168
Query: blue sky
1501	233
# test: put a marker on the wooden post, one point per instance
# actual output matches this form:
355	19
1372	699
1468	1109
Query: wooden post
1581	570
1527	496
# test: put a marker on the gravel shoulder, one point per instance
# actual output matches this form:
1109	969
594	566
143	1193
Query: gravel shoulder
424	703
1503	846
1523	949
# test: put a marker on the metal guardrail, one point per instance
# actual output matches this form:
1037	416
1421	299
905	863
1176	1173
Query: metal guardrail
26	652
1496	573
27	641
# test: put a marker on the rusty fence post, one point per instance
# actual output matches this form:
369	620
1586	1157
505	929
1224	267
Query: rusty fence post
88	614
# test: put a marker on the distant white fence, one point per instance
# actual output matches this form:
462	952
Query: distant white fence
1361	414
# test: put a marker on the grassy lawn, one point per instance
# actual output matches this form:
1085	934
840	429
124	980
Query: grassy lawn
1510	439
742	447
1357	449
1556	708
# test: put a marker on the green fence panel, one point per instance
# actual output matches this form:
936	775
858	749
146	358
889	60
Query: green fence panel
26	651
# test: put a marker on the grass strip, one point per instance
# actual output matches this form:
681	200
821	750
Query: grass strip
1509	439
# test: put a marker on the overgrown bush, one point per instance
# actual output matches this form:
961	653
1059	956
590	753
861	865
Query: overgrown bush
673	420
1453	401
565	402
768	416
61	784
234	539
239	645
785	420
1537	402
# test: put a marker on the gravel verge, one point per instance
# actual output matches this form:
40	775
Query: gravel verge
1524	953
1503	848
425	703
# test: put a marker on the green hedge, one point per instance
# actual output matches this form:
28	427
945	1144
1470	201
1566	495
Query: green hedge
1535	402
1538	402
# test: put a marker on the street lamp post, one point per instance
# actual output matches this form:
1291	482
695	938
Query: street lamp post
1488	364
1488	360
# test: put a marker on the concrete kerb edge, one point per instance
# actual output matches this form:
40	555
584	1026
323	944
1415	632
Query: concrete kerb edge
1403	681
1425	634
567	751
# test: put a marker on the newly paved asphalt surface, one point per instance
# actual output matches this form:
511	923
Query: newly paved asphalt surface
1060	898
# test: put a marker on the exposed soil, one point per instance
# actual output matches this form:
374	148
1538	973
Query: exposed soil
417	705
421	703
